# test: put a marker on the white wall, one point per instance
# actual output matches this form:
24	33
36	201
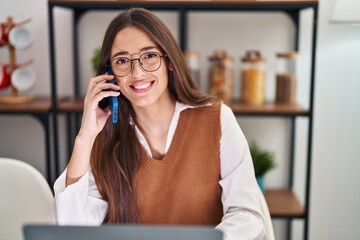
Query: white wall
335	195
336	133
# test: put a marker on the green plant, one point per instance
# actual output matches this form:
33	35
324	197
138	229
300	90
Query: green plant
263	160
95	60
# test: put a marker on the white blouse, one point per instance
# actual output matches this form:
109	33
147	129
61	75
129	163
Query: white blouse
81	203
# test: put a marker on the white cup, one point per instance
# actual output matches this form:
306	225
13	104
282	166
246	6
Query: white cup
20	37
23	79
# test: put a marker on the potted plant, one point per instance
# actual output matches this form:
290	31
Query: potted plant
263	160
95	59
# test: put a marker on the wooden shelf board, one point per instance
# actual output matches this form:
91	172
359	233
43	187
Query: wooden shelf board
77	104
71	105
283	203
38	104
268	109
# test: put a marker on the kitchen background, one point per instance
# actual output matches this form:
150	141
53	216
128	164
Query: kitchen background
335	191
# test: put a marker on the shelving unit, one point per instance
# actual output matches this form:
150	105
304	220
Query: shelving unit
283	203
39	108
26	105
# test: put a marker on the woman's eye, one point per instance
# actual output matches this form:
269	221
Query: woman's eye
150	55
121	61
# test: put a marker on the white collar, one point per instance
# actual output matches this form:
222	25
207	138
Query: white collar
179	107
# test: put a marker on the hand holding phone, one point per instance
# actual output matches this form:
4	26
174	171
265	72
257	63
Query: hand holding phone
112	101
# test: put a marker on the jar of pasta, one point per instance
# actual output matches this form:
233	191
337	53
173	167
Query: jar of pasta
286	77
221	75
252	78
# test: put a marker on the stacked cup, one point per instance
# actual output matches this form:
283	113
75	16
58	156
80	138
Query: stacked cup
22	76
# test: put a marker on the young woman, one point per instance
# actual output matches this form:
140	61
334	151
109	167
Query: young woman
176	155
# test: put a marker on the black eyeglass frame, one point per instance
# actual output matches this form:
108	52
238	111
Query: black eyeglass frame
140	63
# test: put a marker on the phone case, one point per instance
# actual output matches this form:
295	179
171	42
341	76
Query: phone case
112	101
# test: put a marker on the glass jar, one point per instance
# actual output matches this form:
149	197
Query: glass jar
192	60
221	75
252	78
286	77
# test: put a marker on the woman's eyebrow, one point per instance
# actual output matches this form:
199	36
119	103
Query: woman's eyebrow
148	48
119	54
144	49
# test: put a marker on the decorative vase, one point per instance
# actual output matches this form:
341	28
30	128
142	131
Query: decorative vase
260	181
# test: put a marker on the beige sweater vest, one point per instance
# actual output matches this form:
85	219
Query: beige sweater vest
183	187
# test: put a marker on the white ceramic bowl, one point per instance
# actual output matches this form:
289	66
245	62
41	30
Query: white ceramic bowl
23	79
20	38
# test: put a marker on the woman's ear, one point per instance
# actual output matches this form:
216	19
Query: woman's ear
171	67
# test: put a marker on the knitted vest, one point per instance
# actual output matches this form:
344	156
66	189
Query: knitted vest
183	187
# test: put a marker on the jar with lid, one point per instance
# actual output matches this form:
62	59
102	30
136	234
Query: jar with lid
221	75
252	78
192	60
286	77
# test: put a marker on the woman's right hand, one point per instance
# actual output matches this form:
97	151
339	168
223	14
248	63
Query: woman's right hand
93	121
94	118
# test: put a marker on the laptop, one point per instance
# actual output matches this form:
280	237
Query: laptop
120	232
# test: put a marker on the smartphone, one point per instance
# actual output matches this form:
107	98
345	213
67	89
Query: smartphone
112	101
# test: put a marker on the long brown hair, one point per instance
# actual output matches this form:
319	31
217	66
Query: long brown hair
115	156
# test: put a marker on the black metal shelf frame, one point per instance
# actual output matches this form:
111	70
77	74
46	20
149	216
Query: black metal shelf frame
44	119
290	8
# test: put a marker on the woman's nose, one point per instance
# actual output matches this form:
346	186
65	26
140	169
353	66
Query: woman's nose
136	69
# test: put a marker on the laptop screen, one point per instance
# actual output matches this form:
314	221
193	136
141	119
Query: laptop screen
120	232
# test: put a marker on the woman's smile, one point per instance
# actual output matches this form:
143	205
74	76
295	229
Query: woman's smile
141	86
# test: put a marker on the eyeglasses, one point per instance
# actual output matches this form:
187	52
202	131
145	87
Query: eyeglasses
149	62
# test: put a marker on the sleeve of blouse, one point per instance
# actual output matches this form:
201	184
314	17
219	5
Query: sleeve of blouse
79	203
242	212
